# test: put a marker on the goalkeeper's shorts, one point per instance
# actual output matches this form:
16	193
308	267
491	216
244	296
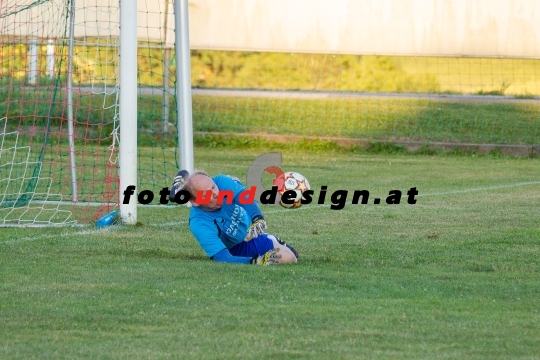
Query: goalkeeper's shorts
256	246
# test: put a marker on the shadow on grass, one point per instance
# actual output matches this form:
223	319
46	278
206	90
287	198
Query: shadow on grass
157	253
382	119
377	118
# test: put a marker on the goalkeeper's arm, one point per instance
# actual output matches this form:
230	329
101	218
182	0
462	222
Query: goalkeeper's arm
269	258
225	256
253	209
258	224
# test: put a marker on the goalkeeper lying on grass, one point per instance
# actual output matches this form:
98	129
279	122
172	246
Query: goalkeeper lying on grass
233	233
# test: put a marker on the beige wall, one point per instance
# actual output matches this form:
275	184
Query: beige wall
402	27
407	27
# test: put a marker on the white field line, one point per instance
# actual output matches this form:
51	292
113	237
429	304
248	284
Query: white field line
278	210
465	191
51	236
172	223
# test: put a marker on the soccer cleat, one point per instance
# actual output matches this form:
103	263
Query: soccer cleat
181	177
178	183
288	246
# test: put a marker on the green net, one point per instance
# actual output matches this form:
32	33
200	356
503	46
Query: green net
436	99
44	180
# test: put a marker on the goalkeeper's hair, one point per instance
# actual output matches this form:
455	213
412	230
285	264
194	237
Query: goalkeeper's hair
189	185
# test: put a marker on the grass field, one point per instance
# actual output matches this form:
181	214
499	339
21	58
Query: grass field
381	119
453	276
375	119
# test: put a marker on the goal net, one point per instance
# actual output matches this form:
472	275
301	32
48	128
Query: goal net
425	75
59	108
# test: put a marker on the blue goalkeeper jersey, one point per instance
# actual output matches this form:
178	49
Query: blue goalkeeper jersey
226	227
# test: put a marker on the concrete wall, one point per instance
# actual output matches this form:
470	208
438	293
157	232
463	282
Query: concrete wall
404	27
395	27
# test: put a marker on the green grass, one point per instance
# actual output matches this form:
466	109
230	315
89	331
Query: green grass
502	76
388	119
456	75
294	71
453	276
430	74
379	118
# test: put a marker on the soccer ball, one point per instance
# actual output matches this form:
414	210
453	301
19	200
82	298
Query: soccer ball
291	181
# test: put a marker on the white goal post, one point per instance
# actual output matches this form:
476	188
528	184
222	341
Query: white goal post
128	99
69	94
128	108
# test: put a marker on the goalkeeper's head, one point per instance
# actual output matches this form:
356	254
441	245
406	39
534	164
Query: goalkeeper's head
200	181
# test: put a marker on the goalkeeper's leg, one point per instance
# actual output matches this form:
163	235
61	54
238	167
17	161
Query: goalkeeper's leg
262	244
288	253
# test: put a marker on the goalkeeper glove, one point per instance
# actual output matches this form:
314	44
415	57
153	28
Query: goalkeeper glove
270	258
258	227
